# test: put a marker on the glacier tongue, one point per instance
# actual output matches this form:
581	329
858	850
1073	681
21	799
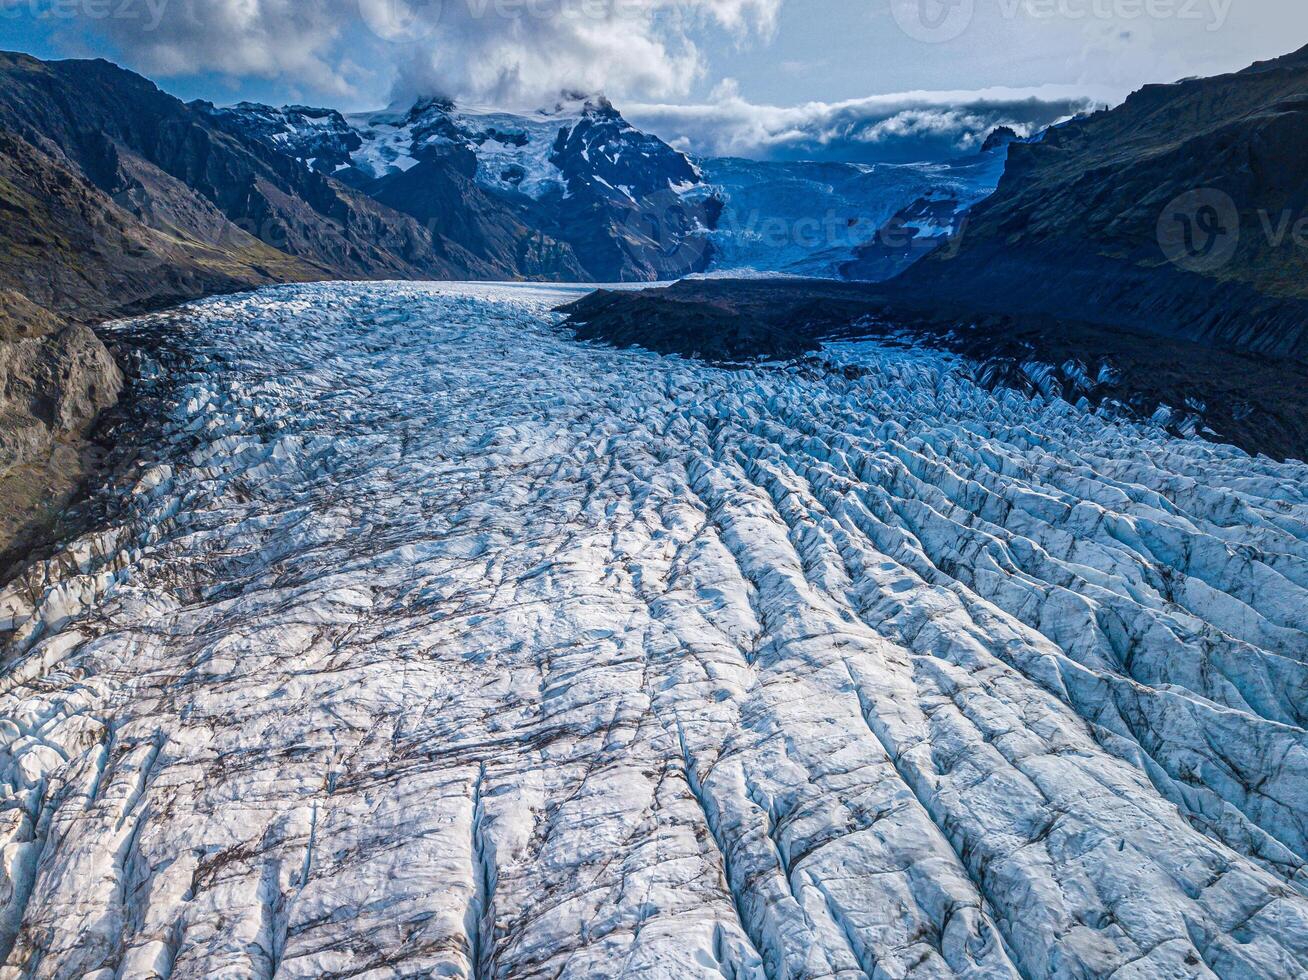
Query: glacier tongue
434	643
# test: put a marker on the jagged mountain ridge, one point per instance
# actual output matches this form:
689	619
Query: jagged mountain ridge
579	192
177	172
580	144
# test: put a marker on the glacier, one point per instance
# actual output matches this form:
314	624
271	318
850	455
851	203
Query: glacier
420	639
813	218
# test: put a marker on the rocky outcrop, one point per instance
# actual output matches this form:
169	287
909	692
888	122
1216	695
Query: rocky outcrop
999	137
55	380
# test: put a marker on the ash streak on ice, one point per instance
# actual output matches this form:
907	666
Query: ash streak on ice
438	644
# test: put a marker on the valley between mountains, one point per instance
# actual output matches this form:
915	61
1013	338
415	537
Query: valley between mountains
418	638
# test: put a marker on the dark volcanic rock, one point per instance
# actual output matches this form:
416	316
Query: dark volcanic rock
999	137
660	321
725	320
1255	402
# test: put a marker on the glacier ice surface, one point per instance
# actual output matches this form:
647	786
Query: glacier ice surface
430	642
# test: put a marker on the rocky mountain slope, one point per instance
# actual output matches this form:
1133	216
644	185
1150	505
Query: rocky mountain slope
175	170
80	251
1174	213
55	379
570	193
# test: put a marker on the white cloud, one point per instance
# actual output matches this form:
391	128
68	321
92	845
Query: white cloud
301	43
506	51
891	128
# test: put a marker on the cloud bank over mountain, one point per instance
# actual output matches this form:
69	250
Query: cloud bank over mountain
898	128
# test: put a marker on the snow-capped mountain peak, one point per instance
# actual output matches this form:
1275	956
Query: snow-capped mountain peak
581	143
320	138
577	174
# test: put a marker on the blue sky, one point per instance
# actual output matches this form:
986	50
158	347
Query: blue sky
774	63
844	49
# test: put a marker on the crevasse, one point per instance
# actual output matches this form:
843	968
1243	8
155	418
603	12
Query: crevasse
428	641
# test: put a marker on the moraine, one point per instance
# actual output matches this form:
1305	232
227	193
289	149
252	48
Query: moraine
426	641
